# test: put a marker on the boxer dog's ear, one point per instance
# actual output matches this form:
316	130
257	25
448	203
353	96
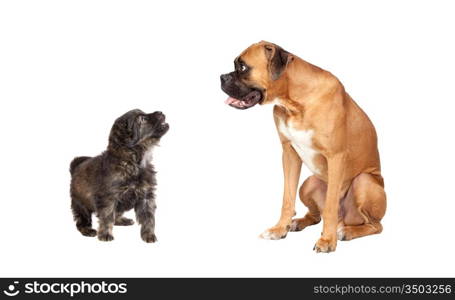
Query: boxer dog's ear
278	60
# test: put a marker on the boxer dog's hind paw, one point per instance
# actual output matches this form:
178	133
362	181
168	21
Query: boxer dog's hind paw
341	236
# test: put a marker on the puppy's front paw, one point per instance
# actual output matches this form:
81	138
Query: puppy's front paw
275	233
148	237
325	245
105	237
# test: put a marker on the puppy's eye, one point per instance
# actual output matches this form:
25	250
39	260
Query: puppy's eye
142	119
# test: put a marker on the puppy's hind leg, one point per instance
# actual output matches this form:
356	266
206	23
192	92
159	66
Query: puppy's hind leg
83	218
145	215
106	215
120	220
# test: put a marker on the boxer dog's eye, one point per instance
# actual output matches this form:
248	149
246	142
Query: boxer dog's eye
243	68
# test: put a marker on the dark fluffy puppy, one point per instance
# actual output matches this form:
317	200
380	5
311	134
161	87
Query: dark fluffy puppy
119	179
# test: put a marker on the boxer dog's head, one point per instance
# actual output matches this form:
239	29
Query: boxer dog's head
259	71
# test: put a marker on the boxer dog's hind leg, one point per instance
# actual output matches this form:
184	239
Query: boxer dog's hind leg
348	233
364	207
291	168
312	193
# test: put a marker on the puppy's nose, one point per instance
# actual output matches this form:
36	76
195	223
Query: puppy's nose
225	78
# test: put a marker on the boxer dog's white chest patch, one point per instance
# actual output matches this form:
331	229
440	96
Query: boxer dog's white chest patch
302	142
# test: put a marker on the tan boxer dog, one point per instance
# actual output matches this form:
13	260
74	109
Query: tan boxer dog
319	124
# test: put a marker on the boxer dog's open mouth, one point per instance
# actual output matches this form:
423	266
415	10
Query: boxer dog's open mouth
241	95
249	100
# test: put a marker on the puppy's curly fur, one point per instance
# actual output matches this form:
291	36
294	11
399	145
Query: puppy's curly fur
119	179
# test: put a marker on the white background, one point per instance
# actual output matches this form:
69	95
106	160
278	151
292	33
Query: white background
69	68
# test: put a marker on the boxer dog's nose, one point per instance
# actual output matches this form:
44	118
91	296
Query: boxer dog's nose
225	78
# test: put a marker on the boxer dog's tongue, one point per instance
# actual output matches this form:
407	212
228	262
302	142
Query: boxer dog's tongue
230	100
234	101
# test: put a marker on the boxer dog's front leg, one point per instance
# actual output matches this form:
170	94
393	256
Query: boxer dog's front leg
291	167
328	241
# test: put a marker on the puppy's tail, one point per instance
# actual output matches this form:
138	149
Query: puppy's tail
76	162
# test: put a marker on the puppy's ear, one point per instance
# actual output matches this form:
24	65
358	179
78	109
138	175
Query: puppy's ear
133	129
278	59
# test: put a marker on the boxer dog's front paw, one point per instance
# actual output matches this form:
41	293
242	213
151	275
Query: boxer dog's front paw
325	245
275	233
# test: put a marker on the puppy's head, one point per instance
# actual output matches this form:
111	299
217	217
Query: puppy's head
259	72
138	128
